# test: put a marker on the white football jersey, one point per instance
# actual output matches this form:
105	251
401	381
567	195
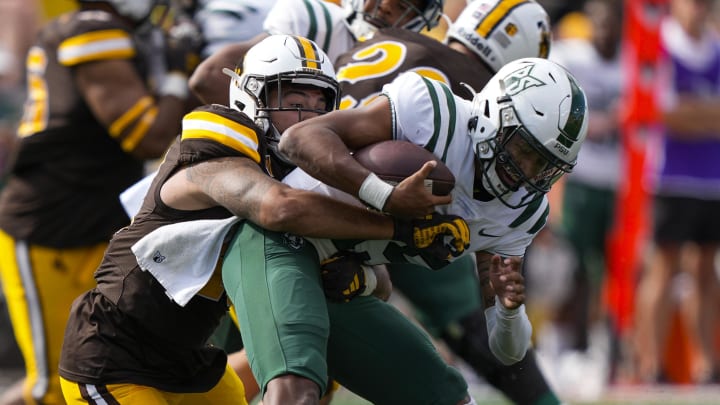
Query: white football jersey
317	20
426	113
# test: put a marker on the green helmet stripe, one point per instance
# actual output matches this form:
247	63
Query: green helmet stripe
571	131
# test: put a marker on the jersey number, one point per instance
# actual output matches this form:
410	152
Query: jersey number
381	59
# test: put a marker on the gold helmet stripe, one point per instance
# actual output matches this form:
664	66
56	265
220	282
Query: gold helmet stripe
308	53
494	17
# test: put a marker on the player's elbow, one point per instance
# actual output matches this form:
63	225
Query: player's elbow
281	211
200	83
291	140
508	355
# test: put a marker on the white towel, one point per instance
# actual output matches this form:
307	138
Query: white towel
183	256
133	197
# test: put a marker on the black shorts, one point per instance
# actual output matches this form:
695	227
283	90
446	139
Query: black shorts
682	219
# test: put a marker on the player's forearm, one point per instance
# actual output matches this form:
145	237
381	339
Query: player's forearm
313	215
509	332
314	147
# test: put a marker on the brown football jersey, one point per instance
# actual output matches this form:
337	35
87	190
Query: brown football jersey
363	70
63	188
127	330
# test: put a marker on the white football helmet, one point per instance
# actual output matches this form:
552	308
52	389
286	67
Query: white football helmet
500	31
276	61
364	23
527	126
136	10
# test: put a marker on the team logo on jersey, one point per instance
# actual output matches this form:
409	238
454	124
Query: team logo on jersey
521	80
481	232
158	257
293	241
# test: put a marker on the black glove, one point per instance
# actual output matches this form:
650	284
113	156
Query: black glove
182	48
343	276
428	236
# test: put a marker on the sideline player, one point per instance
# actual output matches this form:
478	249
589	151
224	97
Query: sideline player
336	29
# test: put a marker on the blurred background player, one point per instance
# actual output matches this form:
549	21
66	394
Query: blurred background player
486	35
687	196
335	29
90	120
223	22
18	25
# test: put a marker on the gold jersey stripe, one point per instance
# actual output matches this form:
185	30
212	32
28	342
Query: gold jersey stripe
96	45
493	18
130	115
207	125
141	128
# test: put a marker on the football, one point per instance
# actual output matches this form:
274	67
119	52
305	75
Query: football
393	161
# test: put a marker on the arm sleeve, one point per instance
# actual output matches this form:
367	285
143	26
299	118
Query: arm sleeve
509	332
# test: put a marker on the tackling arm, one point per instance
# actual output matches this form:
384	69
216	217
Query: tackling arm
239	185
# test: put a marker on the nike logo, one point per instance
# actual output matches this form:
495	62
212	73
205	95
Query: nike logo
482	233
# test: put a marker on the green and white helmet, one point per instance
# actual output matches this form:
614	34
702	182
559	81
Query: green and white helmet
527	126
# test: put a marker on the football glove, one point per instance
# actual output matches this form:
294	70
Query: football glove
343	276
428	236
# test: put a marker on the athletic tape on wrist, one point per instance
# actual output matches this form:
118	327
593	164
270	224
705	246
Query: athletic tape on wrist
375	191
370	280
175	84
